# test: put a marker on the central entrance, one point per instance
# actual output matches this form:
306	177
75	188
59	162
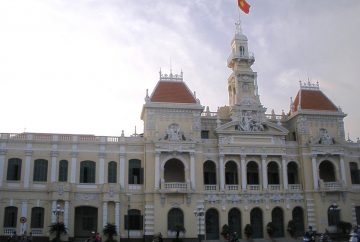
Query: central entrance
85	221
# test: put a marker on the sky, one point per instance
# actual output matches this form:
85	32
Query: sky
83	67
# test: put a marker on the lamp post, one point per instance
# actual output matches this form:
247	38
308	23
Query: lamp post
199	213
128	218
57	212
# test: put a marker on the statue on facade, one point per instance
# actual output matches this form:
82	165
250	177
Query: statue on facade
249	123
173	133
325	138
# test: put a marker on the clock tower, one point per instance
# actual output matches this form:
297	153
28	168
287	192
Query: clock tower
242	85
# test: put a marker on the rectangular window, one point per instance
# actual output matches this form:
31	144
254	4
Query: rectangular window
136	172
14	170
10	217
204	134
37	217
40	171
133	222
63	171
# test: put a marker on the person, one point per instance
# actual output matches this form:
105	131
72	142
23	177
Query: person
160	237
92	237
97	237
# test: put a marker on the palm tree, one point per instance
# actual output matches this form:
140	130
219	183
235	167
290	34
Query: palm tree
110	230
58	228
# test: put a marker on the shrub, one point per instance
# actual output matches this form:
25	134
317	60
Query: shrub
248	230
291	228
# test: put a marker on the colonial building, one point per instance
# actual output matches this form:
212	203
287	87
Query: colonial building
190	167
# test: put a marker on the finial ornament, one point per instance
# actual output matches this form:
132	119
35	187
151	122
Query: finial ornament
238	29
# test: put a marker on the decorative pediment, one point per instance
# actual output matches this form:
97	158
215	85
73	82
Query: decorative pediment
241	127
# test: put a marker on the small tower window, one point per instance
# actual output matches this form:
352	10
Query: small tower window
242	51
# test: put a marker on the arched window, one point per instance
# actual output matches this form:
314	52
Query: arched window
242	51
277	217
87	171
357	213
174	171
298	218
209	173
40	170
273	173
133	220
135	172
333	215
256	221
63	171
175	217
14	169
212	224
327	171
231	175
292	171
10	217
252	173
112	172
37	217
234	221
354	172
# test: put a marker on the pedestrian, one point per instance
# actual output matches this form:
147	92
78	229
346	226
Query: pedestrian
97	237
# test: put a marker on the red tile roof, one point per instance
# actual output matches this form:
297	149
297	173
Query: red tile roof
314	100
172	92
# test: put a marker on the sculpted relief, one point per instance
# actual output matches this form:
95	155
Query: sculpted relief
173	133
248	122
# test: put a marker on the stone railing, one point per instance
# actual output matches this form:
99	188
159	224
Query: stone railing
272	187
175	186
294	187
253	187
9	231
231	187
37	232
331	186
210	187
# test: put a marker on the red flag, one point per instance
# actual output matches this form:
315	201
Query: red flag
244	6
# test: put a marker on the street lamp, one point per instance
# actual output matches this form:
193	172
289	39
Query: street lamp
57	212
199	213
128	218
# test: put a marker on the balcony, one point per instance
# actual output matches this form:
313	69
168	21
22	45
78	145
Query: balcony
175	187
255	188
331	186
274	188
231	187
210	187
237	56
294	187
9	231
37	232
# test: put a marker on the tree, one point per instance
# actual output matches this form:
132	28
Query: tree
58	228
270	228
291	228
178	228
110	231
248	230
225	231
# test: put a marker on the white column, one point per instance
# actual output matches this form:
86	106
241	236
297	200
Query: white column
66	214
122	171
222	172
243	173
117	217
315	172
157	171
342	170
28	157
2	165
53	208
24	206
54	165
264	171
105	213
101	168
285	175
73	167
192	171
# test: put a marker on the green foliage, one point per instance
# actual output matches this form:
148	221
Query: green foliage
248	230
110	231
57	228
178	228
225	231
344	227
270	228
291	228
